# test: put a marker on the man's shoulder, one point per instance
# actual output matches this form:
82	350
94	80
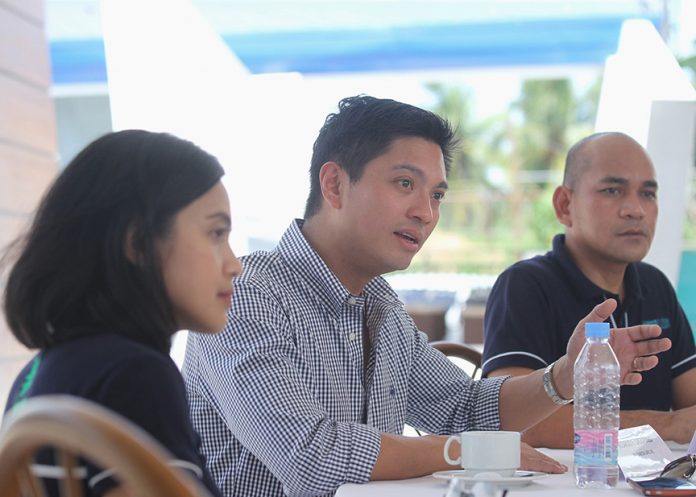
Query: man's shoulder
258	258
538	267
537	277
647	270
262	266
658	293
270	275
653	281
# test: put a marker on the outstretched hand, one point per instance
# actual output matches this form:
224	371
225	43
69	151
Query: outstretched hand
635	347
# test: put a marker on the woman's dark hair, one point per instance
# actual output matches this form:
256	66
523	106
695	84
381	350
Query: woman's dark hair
365	127
73	276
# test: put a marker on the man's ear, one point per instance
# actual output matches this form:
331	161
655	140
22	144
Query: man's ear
332	179
562	197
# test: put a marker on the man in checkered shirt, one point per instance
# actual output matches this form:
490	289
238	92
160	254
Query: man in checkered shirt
310	384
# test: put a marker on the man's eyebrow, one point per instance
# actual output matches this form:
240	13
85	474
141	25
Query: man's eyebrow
617	180
222	216
614	180
419	172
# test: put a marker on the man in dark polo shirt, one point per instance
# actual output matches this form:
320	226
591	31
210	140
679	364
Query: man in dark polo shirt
608	205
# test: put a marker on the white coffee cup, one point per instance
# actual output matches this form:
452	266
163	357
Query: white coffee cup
496	452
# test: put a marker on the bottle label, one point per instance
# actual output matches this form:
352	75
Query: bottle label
596	447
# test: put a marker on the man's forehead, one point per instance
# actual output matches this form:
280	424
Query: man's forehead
627	160
628	180
412	151
626	166
619	174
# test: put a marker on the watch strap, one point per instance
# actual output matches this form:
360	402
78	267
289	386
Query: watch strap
551	389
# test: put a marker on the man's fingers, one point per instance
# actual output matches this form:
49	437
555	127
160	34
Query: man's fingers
631	372
643	332
547	465
637	348
644	363
601	312
639	364
533	460
632	378
652	347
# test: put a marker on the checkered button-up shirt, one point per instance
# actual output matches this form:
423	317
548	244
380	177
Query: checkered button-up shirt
283	399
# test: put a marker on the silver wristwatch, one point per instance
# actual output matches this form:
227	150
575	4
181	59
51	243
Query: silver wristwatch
551	390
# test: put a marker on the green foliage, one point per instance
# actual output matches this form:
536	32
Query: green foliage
467	177
455	105
547	107
689	63
499	207
544	224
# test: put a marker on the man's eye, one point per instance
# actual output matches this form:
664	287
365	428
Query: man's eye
612	191
439	196
406	183
220	233
650	194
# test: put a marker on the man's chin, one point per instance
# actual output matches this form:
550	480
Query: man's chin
630	256
398	266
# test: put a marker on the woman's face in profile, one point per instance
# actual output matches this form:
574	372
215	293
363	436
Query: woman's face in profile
198	264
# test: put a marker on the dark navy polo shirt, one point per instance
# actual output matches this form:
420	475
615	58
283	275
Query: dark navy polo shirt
535	305
134	380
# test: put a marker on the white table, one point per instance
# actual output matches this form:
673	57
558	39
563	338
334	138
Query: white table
552	485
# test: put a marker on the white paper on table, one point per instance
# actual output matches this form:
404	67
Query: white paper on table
642	452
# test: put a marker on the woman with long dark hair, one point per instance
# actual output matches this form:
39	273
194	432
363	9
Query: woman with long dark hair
129	245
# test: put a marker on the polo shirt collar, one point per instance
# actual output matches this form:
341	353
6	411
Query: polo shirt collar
304	261
585	288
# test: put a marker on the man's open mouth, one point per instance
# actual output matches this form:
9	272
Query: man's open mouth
407	237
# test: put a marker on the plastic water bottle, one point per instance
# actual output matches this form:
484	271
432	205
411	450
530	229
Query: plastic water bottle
596	411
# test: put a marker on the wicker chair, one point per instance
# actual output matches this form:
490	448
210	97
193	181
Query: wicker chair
81	430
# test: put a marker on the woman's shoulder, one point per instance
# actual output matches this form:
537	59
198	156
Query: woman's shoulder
106	345
96	367
105	356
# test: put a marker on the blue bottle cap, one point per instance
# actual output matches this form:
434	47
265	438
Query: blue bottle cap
597	330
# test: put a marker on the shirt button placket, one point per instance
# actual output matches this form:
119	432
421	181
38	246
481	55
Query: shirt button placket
352	314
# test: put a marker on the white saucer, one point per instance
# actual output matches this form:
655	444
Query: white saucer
520	479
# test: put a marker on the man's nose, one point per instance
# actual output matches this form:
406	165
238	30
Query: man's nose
422	208
632	207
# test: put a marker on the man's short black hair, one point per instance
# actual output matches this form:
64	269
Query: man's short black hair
365	127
